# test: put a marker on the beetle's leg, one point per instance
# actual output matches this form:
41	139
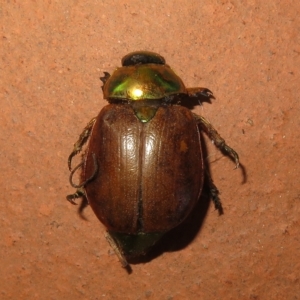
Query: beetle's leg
217	139
84	203
79	193
81	141
80	190
118	252
104	78
198	91
82	184
214	193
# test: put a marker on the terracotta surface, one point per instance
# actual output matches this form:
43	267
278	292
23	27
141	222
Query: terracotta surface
246	52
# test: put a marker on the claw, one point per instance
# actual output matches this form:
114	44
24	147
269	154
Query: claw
196	92
105	77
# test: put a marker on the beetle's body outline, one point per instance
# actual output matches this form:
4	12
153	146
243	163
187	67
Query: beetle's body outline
143	169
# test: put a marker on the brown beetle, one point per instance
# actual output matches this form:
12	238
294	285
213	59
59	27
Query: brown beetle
143	169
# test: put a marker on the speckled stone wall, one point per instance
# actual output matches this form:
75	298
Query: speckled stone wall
246	52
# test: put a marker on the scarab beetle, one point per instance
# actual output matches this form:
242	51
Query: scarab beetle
143	171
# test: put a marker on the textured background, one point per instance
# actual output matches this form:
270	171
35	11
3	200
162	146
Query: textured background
246	52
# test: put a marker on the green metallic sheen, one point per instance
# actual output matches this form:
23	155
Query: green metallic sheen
137	244
143	82
145	110
145	113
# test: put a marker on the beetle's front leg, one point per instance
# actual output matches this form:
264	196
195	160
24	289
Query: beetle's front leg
198	91
81	141
217	139
104	78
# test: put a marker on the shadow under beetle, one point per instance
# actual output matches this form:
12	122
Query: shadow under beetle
143	171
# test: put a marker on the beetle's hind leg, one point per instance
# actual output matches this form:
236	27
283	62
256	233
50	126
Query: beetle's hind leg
81	141
117	250
214	193
217	139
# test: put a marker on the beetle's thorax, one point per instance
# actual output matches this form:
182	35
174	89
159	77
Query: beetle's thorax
143	82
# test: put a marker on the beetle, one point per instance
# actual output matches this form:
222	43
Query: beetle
143	171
